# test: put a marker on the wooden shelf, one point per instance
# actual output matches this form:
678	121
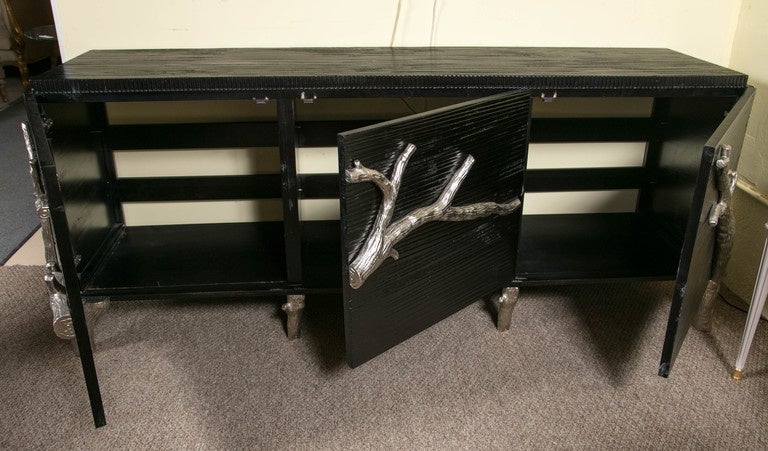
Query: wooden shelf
177	259
163	261
577	247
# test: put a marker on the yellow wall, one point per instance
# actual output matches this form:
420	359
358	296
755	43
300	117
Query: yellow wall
702	28
750	55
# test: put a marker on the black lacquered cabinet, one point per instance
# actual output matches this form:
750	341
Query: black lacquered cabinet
434	160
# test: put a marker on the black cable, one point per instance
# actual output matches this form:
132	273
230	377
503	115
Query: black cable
737	307
413	110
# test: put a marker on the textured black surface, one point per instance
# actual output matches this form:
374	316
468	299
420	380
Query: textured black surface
699	244
443	266
592	247
244	73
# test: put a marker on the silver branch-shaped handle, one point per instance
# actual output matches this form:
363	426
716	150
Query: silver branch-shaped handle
379	245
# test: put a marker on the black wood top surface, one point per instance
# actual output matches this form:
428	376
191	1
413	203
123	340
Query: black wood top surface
350	70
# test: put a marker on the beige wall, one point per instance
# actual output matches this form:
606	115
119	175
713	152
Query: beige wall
750	55
702	28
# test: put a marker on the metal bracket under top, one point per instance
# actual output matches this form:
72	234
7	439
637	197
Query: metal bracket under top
386	233
548	99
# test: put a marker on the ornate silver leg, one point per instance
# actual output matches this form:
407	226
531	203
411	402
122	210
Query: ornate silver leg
293	308
721	216
93	310
505	304
703	319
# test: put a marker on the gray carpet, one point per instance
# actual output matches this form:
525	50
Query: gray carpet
18	220
577	370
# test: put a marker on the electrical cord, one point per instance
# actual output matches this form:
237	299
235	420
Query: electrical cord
732	305
433	29
413	110
397	22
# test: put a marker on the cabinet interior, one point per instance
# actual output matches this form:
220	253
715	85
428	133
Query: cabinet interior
172	197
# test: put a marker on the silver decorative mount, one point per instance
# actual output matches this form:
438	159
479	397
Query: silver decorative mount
293	308
720	216
505	304
385	234
726	184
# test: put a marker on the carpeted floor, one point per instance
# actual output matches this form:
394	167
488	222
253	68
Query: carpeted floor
18	220
577	370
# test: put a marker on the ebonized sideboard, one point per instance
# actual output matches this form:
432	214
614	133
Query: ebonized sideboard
430	203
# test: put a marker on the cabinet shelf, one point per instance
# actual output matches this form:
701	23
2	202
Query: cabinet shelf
169	260
576	247
177	259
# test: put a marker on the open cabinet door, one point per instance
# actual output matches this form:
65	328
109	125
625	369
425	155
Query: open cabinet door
699	247
430	216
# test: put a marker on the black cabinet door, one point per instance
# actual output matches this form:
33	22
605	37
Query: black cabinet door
696	261
430	216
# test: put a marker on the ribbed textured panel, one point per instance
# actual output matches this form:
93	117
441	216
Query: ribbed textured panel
242	72
443	266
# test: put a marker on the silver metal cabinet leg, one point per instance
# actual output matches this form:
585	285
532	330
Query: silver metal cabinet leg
703	319
505	304
293	307
755	310
93	311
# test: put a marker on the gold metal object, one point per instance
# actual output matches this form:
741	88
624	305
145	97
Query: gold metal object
737	374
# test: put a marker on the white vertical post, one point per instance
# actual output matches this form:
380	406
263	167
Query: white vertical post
755	310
